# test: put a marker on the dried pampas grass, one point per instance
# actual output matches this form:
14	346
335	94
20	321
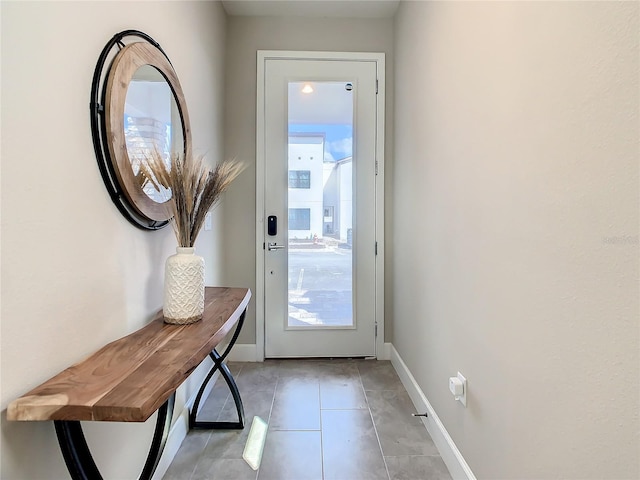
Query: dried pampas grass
195	189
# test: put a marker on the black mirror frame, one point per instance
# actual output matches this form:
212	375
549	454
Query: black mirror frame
102	141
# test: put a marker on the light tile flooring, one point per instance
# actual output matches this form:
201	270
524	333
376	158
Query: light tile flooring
328	419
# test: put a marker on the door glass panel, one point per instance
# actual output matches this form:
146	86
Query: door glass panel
320	205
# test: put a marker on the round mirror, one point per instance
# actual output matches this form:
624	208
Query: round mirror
138	108
151	123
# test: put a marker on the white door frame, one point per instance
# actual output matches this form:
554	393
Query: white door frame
379	58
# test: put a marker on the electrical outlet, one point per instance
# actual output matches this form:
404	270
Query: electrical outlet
458	388
207	221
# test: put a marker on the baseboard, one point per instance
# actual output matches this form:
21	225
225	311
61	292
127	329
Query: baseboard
452	457
243	352
177	434
179	430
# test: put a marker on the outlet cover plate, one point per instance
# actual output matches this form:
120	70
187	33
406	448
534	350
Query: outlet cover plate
463	398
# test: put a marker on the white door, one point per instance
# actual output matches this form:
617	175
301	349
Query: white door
319	212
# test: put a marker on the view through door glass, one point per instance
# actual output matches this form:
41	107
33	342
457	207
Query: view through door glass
320	205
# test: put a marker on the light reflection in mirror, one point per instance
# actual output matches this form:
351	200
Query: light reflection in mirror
151	121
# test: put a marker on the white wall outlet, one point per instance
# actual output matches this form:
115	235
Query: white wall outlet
207	221
458	387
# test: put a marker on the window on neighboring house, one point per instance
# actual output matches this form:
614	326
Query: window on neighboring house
299	219
299	179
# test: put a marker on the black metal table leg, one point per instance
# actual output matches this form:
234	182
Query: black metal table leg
78	457
219	365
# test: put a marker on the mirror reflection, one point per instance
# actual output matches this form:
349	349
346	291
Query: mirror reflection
151	121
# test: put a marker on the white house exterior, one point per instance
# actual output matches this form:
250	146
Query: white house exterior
320	192
345	201
338	199
305	177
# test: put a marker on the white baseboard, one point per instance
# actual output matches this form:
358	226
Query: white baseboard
179	430
177	434
452	457
243	352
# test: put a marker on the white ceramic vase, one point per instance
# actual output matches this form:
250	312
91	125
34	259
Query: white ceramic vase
183	287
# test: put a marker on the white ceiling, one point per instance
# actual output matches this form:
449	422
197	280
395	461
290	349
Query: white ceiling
330	103
312	8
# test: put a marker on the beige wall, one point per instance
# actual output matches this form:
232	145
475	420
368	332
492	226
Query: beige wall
245	36
516	230
75	274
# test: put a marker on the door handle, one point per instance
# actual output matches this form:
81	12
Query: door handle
275	246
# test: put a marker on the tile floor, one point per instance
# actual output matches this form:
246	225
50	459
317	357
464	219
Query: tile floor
328	419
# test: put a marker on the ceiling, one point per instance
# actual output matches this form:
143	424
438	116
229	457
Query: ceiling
330	103
312	8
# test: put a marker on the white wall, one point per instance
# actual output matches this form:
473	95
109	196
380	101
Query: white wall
247	35
345	213
516	230
75	274
307	154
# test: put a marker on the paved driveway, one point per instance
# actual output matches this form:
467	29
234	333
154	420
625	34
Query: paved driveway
320	291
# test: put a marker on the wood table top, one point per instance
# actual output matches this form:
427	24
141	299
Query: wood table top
129	379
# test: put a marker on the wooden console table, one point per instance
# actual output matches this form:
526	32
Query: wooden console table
131	378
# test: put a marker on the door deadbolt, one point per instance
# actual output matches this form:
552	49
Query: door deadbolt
272	225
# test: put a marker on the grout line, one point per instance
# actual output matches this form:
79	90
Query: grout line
321	437
343	408
375	428
273	400
413	455
279	379
197	462
226	400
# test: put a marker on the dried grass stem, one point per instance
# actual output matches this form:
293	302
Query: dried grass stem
195	189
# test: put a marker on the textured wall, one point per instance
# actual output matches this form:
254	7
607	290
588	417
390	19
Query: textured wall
75	274
247	35
516	230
